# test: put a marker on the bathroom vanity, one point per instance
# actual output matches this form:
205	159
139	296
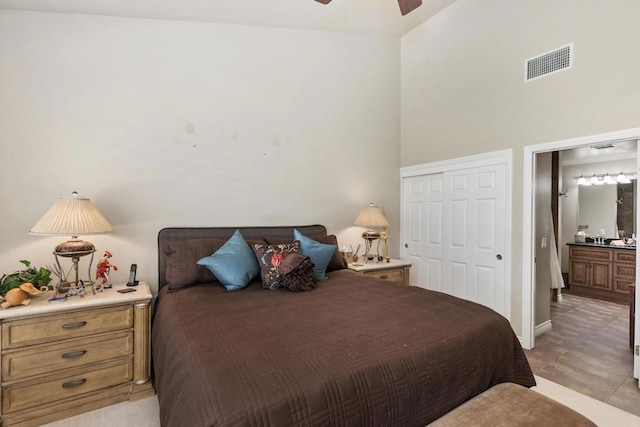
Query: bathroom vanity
601	270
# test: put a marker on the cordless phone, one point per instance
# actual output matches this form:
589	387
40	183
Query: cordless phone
132	275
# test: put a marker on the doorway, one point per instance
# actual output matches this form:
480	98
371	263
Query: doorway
528	250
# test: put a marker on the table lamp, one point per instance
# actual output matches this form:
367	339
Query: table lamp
72	216
371	216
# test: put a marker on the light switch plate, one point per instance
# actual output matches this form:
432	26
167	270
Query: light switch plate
543	244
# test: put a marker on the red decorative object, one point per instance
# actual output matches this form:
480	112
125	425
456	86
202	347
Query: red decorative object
103	269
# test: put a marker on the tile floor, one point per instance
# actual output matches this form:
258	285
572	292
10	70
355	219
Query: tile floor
588	351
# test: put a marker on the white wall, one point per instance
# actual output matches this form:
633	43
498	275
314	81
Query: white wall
165	123
463	91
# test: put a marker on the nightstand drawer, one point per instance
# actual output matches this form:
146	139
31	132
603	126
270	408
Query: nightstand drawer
43	329
39	392
68	354
393	275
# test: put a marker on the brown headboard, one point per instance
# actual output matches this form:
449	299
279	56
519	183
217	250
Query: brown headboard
168	235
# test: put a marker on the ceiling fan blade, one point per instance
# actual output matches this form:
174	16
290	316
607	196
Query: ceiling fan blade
323	1
407	6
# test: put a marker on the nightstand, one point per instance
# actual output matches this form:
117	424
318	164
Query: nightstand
63	358
395	270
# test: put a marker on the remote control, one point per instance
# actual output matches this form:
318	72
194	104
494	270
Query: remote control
126	290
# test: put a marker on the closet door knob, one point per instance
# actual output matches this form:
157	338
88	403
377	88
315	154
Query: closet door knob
498	257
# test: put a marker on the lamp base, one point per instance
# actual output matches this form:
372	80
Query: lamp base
369	237
74	249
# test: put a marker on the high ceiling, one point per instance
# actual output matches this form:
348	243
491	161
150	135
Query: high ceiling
381	17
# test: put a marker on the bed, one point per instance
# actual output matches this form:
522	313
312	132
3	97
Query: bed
355	351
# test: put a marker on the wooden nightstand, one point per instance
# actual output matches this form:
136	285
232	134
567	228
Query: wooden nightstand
60	359
395	270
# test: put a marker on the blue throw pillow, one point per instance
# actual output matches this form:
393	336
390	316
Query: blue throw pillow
320	253
234	264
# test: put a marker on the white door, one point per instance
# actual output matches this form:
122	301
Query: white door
455	231
422	221
474	247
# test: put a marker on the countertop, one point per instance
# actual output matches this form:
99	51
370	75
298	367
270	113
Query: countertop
40	303
383	265
607	246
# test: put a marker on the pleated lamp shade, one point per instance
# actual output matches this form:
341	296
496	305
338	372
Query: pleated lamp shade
371	216
72	216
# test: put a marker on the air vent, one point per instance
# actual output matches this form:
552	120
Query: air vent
549	63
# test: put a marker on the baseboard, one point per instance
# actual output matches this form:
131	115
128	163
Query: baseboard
542	328
538	330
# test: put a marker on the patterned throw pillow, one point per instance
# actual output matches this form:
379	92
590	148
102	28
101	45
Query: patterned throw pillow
336	263
269	258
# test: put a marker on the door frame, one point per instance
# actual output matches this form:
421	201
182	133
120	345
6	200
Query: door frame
485	159
528	220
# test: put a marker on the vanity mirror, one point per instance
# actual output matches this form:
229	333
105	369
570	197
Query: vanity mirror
602	207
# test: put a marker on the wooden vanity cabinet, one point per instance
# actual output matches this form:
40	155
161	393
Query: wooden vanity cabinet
590	267
602	272
624	271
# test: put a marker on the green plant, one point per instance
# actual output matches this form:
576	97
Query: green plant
37	276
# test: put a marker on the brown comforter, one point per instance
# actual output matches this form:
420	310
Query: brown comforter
355	351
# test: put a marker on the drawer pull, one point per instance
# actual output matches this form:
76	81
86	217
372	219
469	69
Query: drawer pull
74	354
73	325
76	383
384	277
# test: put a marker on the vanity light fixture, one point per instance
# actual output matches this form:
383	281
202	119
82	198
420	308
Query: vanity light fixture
606	179
622	179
